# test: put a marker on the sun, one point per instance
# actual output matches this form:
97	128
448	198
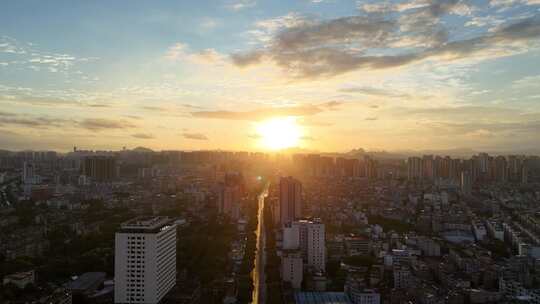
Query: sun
279	133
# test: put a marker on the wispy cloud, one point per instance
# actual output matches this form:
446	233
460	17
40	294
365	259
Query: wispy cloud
237	5
143	136
526	82
101	124
374	91
33	121
194	136
266	113
182	52
34	58
209	23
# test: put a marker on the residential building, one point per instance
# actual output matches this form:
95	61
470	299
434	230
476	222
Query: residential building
145	260
290	199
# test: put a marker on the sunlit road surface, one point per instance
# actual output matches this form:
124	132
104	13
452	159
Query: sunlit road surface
259	285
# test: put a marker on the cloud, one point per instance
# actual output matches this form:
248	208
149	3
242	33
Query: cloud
315	123
32	121
195	136
488	129
209	23
373	91
51	97
508	3
182	52
153	108
98	105
190	106
143	136
38	60
100	124
482	21
452	114
332	104
237	5
42	122
267	28
266	113
327	48
246	59
307	138
526	82
136	117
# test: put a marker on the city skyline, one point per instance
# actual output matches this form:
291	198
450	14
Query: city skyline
263	76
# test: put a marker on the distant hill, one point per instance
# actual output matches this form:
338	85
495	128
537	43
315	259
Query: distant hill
142	150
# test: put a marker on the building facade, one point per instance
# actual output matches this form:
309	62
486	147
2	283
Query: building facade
145	260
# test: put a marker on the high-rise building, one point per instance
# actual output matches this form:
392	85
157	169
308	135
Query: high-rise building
524	174
312	241
371	167
428	167
454	171
466	182
99	168
28	173
501	169
228	200
347	167
229	194
402	276
414	168
290	199
483	162
292	268
144	260
291	236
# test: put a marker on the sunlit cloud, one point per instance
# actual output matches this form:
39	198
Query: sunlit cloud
327	48
266	113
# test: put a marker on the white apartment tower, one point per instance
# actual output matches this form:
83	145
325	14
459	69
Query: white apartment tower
145	260
311	236
316	246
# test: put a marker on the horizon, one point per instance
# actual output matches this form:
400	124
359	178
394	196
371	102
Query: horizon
460	153
265	76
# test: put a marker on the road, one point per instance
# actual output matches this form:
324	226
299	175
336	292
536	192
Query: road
259	282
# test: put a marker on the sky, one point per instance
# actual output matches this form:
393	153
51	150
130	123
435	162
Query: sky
381	75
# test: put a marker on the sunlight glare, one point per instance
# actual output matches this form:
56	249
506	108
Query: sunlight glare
279	133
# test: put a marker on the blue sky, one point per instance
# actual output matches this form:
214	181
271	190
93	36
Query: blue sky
395	75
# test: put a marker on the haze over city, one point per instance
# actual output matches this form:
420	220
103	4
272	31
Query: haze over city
330	75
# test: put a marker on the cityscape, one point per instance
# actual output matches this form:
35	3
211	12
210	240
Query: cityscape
139	226
270	152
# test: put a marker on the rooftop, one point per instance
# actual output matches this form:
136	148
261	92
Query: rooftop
87	281
146	222
321	298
